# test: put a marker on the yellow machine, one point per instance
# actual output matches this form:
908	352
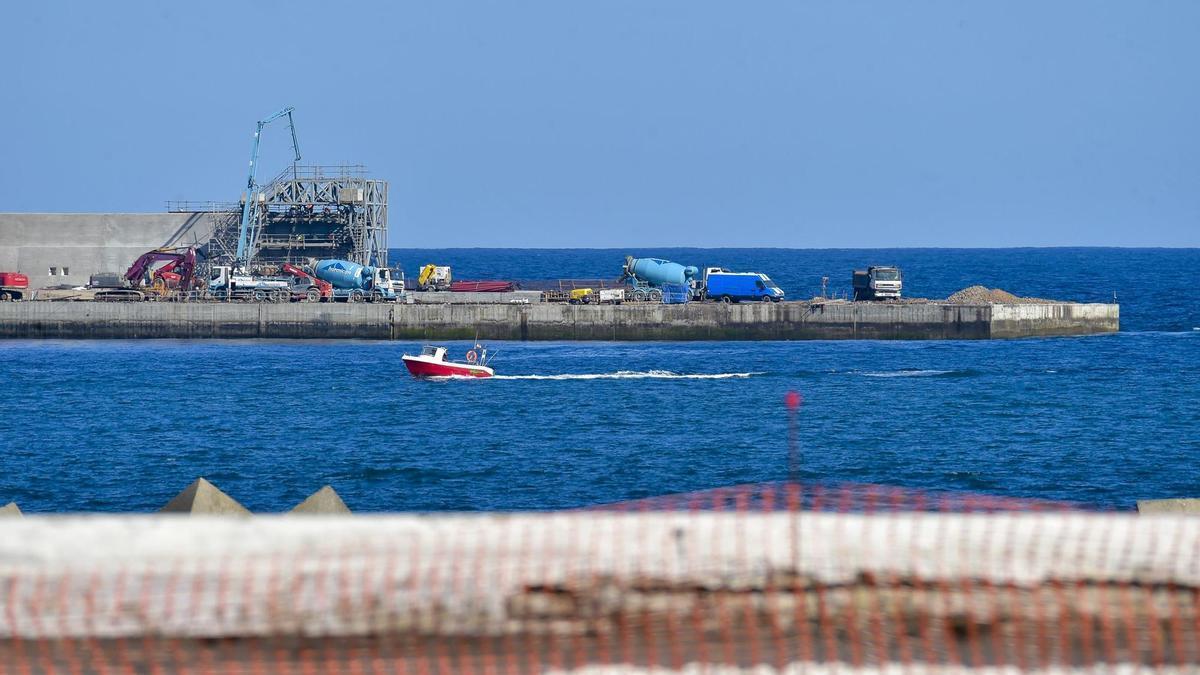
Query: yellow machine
581	295
434	278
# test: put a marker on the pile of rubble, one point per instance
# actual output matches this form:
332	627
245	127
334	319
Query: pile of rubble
982	295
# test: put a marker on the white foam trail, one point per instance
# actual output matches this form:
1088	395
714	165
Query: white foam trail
907	373
629	375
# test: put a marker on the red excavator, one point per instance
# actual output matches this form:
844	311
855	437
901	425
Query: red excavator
317	290
143	281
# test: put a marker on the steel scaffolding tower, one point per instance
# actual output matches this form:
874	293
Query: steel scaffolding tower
307	212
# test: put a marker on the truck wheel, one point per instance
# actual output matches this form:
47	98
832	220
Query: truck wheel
656	295
765	298
4	297
726	299
259	296
376	296
313	295
355	296
639	296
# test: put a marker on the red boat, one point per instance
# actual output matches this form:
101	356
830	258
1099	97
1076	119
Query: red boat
431	362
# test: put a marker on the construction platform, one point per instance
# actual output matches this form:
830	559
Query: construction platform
555	321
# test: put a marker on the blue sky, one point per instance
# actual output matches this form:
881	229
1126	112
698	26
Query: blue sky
632	122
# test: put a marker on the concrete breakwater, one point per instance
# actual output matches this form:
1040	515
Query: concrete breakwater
546	321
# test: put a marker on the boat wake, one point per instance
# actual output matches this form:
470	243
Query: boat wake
629	375
908	373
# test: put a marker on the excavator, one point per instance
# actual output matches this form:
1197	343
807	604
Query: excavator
142	281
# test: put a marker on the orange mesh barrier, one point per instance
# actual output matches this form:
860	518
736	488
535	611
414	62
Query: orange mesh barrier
777	578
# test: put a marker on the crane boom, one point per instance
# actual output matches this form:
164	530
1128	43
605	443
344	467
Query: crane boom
244	239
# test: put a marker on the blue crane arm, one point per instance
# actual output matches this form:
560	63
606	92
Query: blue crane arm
244	229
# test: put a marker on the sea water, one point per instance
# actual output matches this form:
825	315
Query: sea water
1104	420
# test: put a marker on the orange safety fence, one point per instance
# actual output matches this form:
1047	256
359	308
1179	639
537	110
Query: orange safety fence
775	578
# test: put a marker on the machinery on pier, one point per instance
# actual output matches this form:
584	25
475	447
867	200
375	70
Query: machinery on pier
302	214
648	276
318	290
143	280
877	283
248	229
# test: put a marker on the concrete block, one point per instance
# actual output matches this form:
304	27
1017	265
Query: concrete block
10	509
77	245
551	321
322	502
1179	505
203	498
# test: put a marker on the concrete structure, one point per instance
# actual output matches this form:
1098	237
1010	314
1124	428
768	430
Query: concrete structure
1181	505
10	509
555	321
563	592
322	502
67	248
203	498
307	212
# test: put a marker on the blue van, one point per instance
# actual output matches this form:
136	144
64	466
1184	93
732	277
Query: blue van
737	286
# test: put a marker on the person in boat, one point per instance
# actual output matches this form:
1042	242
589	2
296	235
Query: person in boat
477	355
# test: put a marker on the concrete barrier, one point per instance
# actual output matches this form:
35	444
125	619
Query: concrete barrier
325	501
1182	505
488	574
204	498
555	321
594	593
10	509
77	245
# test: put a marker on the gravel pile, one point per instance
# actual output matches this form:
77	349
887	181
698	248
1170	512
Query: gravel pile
982	295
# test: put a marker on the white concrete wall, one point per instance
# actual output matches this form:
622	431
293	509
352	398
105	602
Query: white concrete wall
1057	318
538	321
357	575
87	243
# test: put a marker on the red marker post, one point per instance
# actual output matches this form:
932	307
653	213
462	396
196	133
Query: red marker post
794	400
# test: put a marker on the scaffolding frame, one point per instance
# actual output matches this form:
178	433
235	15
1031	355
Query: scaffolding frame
304	213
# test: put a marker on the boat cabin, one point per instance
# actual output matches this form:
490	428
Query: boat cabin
438	353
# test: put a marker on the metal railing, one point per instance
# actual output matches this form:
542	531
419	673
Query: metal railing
202	207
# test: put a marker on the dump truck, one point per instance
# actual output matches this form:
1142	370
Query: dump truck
13	286
877	282
355	283
434	278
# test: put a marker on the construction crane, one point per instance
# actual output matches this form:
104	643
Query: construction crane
244	235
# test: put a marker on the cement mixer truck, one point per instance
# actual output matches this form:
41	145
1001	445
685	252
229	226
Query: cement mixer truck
355	283
649	275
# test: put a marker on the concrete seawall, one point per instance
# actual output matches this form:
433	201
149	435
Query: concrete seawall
77	245
546	321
